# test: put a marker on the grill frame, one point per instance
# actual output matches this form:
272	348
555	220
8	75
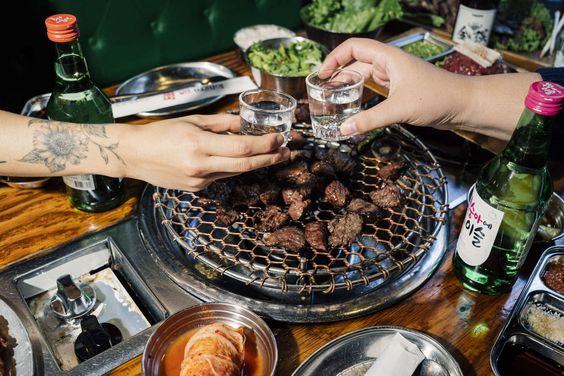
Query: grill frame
298	278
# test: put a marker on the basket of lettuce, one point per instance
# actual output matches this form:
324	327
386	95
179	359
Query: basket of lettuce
331	22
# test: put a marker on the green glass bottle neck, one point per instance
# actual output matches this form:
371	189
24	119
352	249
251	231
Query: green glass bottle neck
70	66
530	143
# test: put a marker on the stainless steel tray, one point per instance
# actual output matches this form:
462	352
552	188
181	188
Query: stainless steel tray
426	36
352	354
517	333
171	77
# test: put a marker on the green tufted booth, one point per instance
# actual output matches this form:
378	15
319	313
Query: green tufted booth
121	38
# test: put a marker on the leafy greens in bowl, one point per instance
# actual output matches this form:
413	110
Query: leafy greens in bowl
295	59
351	16
283	63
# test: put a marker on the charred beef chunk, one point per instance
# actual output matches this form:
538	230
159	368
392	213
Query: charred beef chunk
290	238
216	193
293	173
270	219
298	208
247	195
296	139
316	235
344	229
323	168
291	194
296	155
301	113
298	203
388	196
227	216
269	194
365	209
392	171
336	193
342	163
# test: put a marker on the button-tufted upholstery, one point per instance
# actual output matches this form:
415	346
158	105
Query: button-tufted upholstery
121	38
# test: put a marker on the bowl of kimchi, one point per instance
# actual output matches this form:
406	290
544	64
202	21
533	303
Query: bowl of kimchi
211	339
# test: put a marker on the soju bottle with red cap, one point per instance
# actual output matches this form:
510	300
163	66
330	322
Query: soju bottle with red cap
509	199
75	98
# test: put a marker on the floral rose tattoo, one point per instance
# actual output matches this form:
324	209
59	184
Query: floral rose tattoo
55	144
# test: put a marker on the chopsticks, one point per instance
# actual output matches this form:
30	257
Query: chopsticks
550	43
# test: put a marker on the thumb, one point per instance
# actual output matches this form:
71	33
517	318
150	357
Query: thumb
381	115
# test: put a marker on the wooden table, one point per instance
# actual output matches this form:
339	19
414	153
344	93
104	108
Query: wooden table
32	221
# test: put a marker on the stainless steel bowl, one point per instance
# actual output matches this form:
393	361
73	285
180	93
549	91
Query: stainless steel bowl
204	314
293	85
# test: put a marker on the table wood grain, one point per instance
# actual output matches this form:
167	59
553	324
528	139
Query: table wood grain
33	221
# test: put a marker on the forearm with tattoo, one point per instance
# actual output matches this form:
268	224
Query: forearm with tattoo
55	144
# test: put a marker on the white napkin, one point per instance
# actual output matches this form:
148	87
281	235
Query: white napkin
400	358
172	98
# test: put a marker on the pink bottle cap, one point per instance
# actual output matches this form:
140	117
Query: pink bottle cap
545	98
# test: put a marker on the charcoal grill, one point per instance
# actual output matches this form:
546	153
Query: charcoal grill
390	258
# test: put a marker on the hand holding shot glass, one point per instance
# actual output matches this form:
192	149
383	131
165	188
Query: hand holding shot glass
266	111
332	100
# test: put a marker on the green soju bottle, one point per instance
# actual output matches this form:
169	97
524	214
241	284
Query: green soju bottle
75	98
509	199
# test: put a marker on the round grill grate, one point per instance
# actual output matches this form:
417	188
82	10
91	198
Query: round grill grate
382	250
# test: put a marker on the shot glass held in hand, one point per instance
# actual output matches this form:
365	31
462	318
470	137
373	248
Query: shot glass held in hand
333	99
266	111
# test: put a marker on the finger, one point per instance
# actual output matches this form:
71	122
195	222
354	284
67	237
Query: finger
352	49
381	115
239	146
362	68
216	123
240	165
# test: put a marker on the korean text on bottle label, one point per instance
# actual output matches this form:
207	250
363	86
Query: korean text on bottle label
80	182
473	25
478	232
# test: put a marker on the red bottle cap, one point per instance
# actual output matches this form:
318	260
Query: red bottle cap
62	28
545	98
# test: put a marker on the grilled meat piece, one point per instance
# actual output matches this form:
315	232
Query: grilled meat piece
344	229
342	163
292	174
7	344
316	235
290	238
298	208
227	216
392	171
269	194
301	113
297	201
270	219
323	168
247	195
336	193
388	196
365	209
296	155
216	193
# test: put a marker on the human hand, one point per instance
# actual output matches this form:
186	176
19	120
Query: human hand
189	153
419	92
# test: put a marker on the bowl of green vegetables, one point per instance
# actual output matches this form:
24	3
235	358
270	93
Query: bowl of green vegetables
331	22
283	63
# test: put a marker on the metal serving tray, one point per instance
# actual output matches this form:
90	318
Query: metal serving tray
426	36
516	333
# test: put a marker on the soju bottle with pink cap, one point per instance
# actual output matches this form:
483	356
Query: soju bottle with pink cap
509	199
